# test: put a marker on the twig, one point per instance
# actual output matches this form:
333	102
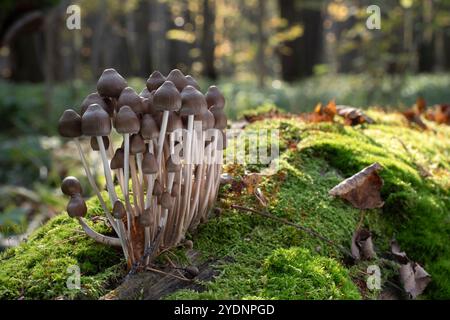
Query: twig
299	227
167	274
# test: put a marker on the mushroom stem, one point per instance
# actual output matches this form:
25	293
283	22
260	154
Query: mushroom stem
209	178
107	171
100	238
126	178
135	185
199	179
94	185
188	172
162	135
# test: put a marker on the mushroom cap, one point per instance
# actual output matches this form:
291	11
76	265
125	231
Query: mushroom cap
129	97
111	104
178	79
171	166
215	98
174	122
167	200
175	187
155	80
118	210
117	161
69	125
193	102
94	143
95	121
71	186
145	218
192	82
111	83
207	119
137	144
149	164
219	117
145	93
167	98
76	206
91	99
157	188
149	128
126	121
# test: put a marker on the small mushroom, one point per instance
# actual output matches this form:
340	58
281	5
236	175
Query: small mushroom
71	186
130	98
220	119
94	98
119	211
190	81
69	125
149	164
167	201
178	79
111	84
149	128
137	144
155	80
157	188
215	98
76	206
117	161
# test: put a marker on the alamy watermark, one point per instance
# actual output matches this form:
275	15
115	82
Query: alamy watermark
74	277
373	22
73	21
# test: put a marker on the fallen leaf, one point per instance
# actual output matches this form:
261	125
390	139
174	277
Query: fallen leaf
353	116
414	278
251	181
414	118
362	190
439	113
420	105
362	245
323	114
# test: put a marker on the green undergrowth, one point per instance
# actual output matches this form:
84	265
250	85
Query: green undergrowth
41	267
258	258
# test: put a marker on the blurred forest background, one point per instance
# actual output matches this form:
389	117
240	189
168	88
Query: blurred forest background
287	53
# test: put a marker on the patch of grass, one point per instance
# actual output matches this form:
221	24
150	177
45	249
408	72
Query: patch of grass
38	268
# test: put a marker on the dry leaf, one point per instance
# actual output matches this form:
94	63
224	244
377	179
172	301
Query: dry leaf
420	105
439	114
323	114
353	116
362	190
362	245
414	278
413	117
251	181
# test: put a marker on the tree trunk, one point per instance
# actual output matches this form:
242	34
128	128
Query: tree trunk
208	44
261	43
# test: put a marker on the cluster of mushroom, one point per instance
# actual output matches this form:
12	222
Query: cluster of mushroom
173	141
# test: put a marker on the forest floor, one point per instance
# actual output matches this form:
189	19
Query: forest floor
253	257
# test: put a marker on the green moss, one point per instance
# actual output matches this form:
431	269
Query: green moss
38	268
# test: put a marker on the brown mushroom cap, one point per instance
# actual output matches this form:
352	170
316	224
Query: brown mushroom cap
220	119
157	188
175	187
193	102
111	104
71	186
155	80
145	218
171	166
149	128
126	121
111	84
118	210
167	200
130	98
215	98
149	164
137	144
117	161
207	119
95	121
178	79
144	93
92	99
167	98
76	206
69	125
174	122
192	82
94	143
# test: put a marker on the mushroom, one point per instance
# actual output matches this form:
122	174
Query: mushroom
155	80
126	123
94	98
137	148
76	208
166	99
190	81
129	97
178	79
69	126
94	143
215	98
193	103
111	84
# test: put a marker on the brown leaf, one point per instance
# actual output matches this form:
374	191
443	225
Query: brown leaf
414	278
251	181
414	118
353	116
420	105
362	190
323	114
362	245
439	114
